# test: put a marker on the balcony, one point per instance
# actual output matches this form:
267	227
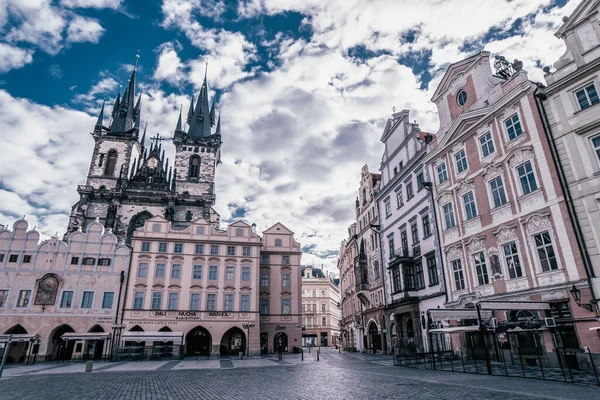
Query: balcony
404	256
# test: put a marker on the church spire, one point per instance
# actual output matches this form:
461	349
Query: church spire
212	113
98	126
144	135
218	130
124	119
178	127
190	113
200	125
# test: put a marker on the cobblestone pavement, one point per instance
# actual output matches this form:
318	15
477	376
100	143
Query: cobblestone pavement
335	376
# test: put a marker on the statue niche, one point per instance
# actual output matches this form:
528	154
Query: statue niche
47	290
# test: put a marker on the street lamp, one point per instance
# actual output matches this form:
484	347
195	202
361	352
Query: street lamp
247	326
576	293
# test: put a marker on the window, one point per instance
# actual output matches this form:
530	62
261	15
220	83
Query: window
409	191
87	300
487	144
448	212
285	280
160	271
442	173
13	258
66	301
388	208
199	249
264	306
26	259
173	301
176	271
195	302
178	248
104	261
543	244
409	276
596	144
264	280
513	127
587	96
419	276
162	247
391	246
285	260
212	273
461	98
138	300
211	299
239	232
264	259
156	300
194	167
199	230
156	228
142	270
470	208
214	249
229	273
278	242
432	270
498	194
511	256
414	232
286	306
322	307
481	269
244	303
111	162
461	161
324	321
420	181
527	178
245	273
246	251
108	299
397	285
426	226
88	261
459	277
228	302
399	198
197	272
231	250
145	246
74	260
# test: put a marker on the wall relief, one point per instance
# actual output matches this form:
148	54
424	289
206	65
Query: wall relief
47	290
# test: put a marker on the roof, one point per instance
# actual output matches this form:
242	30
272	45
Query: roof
315	272
576	16
452	70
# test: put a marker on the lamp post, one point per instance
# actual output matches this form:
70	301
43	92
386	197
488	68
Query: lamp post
247	326
576	293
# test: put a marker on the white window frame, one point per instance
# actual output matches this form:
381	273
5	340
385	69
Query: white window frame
596	149
520	120
464	278
486	263
241	302
537	256
388	207
143	292
518	178
445	172
214	304
444	216
60	307
7	298
102	302
93	292
491	195
463	158
172	269
476	214
169	301
194	272
587	95
229	307
229	273
199	301
504	263
480	145
160	292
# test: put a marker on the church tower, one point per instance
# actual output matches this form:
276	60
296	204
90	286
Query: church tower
128	183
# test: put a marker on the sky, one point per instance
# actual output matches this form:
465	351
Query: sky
304	87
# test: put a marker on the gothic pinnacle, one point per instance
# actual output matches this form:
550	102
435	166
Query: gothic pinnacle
100	116
178	127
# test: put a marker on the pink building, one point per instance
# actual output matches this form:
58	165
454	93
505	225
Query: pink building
506	233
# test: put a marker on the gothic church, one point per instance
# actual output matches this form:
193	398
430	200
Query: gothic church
129	182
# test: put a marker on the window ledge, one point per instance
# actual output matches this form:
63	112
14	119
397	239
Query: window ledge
500	208
514	142
585	109
530	194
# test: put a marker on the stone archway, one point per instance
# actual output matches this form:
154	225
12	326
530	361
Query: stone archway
18	350
94	348
374	336
59	349
280	342
233	342
198	342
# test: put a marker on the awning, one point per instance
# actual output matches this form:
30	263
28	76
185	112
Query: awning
449	314
19	337
175	337
514	305
455	329
595	328
86	336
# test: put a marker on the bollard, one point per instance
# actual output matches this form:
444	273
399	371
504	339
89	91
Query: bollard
318	351
339	350
302	353
89	365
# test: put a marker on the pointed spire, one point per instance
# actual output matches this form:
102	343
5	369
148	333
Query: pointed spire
170	173
218	130
137	112
144	135
124	116
100	117
116	106
190	113
212	113
178	127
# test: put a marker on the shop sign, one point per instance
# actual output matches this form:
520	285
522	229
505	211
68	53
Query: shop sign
280	328
218	314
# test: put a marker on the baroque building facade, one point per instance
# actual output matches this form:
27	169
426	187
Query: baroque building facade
320	309
569	106
505	230
129	182
59	300
410	246
351	322
367	266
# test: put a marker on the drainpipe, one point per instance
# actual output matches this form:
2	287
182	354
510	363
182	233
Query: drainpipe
587	262
116	329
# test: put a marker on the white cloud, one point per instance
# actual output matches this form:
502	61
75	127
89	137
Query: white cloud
91	101
12	57
169	66
114	4
83	29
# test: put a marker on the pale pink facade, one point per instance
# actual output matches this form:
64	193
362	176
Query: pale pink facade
506	233
350	324
53	290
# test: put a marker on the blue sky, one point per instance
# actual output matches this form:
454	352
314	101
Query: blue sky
305	87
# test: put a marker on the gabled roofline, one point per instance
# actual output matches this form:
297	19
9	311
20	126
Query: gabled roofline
569	22
443	83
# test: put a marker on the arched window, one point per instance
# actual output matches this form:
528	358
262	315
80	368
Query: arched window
111	162
194	167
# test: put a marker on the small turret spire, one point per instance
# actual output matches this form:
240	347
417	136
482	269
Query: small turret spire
100	117
212	113
116	106
218	130
137	112
144	135
190	113
178	127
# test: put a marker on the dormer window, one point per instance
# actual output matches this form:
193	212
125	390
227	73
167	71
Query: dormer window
461	98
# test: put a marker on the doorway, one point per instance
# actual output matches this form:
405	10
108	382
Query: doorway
198	342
